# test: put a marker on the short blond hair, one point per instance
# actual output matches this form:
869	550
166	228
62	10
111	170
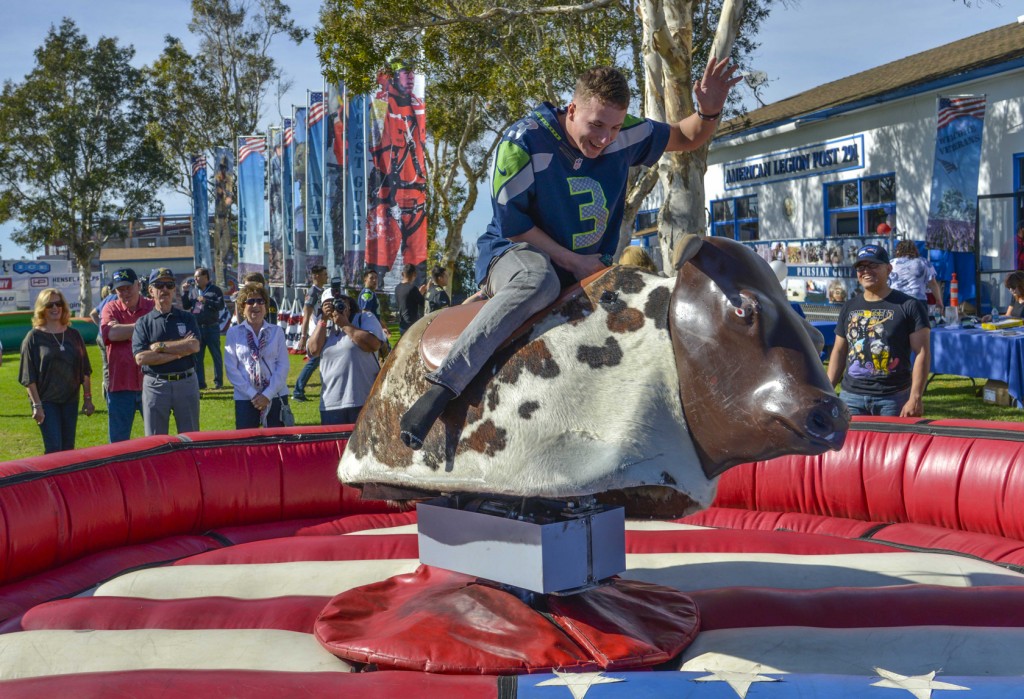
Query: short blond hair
46	296
636	256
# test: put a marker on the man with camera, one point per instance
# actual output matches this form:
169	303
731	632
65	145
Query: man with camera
345	341
310	316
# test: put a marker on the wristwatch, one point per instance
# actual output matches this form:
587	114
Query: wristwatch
161	347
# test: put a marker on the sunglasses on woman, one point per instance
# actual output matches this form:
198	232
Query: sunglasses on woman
255	302
55	304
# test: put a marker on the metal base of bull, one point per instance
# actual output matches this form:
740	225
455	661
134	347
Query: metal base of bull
528	545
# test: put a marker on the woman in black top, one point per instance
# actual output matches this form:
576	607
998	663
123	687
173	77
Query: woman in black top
1015	283
54	365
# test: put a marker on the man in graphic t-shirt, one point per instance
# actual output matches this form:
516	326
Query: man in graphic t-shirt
875	335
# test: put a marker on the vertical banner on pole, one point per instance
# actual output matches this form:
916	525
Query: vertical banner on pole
334	185
287	155
251	223
355	186
398	182
200	213
275	260
299	196
315	180
223	200
954	194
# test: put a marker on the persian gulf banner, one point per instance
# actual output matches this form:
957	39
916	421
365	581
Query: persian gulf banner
397	183
275	209
223	200
357	164
334	183
287	156
200	213
252	152
298	167
954	194
315	179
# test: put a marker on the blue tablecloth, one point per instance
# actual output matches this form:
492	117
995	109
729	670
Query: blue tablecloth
989	354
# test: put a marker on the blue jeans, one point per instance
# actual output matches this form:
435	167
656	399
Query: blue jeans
58	425
209	338
888	406
121	409
520	283
341	416
305	375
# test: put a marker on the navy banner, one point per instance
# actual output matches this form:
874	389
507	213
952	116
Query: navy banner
223	200
275	200
299	195
954	193
252	152
287	156
200	214
356	167
334	184
315	180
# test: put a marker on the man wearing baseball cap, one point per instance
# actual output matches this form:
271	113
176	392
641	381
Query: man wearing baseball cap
117	327
876	333
165	342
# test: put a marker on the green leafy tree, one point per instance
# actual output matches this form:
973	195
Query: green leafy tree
77	158
487	63
208	99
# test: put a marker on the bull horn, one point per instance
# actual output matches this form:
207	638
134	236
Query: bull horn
685	249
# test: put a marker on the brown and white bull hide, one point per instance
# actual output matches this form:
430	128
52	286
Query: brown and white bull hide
586	402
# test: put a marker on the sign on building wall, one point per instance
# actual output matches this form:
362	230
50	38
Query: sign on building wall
954	195
22	280
831	156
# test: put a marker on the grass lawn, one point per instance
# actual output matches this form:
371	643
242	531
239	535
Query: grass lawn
946	397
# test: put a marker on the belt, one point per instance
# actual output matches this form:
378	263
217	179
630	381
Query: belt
174	377
214	324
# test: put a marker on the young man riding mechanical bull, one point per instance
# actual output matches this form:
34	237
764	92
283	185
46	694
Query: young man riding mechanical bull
558	192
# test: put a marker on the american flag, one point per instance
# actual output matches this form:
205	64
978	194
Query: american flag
289	132
951	108
198	164
316	108
251	144
947	165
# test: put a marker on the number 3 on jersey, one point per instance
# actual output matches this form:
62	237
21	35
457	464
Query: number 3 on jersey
595	210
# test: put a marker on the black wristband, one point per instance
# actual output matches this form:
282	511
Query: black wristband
708	117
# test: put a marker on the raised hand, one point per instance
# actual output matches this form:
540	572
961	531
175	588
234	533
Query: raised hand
713	87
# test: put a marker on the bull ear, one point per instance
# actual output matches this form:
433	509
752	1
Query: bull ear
686	248
817	339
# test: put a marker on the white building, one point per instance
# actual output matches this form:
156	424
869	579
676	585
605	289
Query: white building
818	174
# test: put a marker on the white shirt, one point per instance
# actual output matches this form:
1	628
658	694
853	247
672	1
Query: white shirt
273	362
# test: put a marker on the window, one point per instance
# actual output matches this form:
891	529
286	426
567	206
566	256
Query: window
735	218
860	207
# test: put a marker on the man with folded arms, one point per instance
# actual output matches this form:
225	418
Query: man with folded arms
165	342
117	325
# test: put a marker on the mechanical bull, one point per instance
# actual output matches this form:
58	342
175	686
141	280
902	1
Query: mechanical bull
638	389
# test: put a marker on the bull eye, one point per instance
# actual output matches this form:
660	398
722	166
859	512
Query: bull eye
745	307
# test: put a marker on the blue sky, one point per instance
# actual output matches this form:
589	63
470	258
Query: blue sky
808	44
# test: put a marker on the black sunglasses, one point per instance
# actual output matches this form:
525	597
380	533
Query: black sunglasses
162	285
256	301
55	304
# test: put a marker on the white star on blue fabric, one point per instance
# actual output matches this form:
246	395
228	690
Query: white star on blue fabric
921	686
739	681
579	683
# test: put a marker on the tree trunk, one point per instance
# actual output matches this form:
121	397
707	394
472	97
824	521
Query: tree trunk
668	47
84	282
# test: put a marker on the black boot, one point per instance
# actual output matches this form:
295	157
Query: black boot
418	419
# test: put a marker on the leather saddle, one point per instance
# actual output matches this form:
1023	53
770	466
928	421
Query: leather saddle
445	327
